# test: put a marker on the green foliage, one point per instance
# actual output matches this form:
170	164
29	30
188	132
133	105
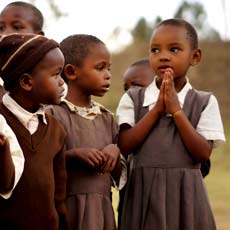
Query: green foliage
196	15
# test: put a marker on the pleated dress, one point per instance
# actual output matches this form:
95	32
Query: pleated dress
166	190
88	200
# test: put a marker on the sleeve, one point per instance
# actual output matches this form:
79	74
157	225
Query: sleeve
16	154
60	176
125	111
210	125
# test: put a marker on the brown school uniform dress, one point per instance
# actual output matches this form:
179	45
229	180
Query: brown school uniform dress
166	190
88	193
38	200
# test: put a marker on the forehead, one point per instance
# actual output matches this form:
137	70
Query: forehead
99	52
17	13
170	34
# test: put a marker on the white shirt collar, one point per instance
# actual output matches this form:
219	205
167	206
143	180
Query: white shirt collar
152	93
23	115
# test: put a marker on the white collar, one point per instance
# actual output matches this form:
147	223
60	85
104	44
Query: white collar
152	93
23	115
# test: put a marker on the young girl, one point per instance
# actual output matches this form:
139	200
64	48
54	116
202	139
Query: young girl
170	127
30	66
92	155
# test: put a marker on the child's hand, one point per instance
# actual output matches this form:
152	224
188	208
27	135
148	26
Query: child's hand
160	104
170	96
112	153
92	157
4	143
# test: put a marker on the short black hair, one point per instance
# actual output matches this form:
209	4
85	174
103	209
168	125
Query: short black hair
191	32
38	17
76	48
141	62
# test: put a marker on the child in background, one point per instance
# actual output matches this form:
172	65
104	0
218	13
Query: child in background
175	129
30	66
139	73
11	160
20	17
92	155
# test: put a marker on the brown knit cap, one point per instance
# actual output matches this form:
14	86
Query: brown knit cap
19	54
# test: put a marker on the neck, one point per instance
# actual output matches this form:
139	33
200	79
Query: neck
25	102
77	97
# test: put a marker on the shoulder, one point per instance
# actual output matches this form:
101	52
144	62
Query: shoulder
136	92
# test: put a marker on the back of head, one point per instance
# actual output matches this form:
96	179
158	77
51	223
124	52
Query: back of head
191	32
19	54
36	19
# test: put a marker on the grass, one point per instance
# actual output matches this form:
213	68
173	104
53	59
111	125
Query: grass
218	186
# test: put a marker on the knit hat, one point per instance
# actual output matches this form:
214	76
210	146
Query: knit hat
19	54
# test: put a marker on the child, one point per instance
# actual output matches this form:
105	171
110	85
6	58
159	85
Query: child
30	66
175	129
92	134
139	73
11	160
20	17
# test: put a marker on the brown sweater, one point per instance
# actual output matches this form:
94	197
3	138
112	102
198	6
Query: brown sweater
39	197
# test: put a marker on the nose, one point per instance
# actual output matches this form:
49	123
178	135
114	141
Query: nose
164	57
7	31
61	81
108	75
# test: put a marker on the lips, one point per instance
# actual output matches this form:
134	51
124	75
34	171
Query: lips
106	87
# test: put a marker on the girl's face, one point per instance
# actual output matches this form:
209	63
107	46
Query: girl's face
94	73
170	47
47	84
14	19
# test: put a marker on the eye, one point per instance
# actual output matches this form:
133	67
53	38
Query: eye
154	50
1	27
174	49
18	27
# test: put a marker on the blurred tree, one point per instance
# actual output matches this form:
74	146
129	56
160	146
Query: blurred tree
195	14
54	8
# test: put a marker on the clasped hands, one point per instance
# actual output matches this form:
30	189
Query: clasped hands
167	101
103	160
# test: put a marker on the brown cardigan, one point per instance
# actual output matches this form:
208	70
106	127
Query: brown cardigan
39	197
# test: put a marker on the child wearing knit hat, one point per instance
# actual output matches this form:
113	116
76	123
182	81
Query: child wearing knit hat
30	66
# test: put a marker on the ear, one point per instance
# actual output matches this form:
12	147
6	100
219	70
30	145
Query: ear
70	72
40	32
25	81
196	57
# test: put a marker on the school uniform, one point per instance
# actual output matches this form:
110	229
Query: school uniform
88	192
37	201
166	189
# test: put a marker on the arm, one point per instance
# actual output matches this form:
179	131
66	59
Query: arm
12	159
197	145
7	169
131	137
